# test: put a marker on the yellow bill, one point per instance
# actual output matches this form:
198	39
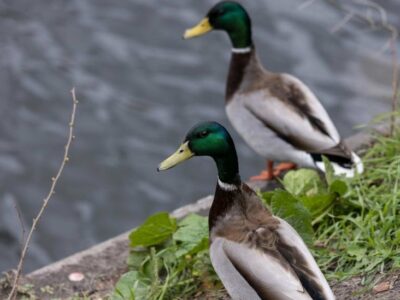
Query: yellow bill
202	28
183	153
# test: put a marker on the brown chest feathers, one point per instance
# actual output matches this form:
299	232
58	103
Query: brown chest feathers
240	216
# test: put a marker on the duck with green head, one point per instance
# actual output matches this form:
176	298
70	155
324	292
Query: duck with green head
275	113
255	254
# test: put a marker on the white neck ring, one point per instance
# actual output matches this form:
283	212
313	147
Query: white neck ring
241	50
227	186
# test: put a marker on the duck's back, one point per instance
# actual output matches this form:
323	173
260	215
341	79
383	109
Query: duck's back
276	114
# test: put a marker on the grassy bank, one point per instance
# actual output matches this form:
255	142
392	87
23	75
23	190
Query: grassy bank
350	225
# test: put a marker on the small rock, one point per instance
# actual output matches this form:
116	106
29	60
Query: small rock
382	287
76	276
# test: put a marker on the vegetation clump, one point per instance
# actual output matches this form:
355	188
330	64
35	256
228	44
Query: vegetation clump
349	224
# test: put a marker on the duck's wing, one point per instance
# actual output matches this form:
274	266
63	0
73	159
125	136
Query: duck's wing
292	247
250	273
289	108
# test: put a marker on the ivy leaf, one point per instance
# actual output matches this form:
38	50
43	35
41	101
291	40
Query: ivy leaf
155	230
192	234
287	207
303	182
131	286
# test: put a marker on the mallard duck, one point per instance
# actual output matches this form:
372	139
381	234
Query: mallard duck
255	254
275	113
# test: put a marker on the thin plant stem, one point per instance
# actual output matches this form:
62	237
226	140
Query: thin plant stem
13	293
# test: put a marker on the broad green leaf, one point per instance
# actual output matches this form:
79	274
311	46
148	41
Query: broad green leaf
191	248
192	234
287	207
131	286
155	230
317	204
338	187
303	182
192	228
266	197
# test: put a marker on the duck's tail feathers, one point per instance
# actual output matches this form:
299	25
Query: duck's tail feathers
347	165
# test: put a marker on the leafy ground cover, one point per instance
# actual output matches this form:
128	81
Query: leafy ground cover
351	227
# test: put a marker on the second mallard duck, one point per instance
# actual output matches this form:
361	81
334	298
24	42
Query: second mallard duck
276	114
255	254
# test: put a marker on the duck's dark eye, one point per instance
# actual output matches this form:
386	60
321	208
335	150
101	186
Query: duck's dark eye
217	13
202	134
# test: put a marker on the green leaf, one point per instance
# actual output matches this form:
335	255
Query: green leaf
303	182
329	171
131	286
287	207
155	230
192	235
267	197
192	248
317	204
338	187
137	257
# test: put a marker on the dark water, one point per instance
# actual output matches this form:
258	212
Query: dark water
140	87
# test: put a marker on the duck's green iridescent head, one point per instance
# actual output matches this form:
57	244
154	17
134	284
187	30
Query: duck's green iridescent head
228	16
207	139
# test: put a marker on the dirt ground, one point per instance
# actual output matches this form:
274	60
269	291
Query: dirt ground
103	264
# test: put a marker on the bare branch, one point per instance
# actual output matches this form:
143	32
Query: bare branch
305	4
36	220
342	22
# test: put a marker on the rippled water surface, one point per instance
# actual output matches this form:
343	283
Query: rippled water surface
140	88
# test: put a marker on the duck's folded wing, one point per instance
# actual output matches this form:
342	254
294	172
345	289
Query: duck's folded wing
249	273
295	114
292	247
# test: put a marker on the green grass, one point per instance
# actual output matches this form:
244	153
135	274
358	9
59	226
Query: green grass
351	227
360	234
168	260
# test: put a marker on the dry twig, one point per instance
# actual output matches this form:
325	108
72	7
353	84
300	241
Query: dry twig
342	23
305	4
35	222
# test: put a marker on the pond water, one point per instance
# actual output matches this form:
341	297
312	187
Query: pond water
140	88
